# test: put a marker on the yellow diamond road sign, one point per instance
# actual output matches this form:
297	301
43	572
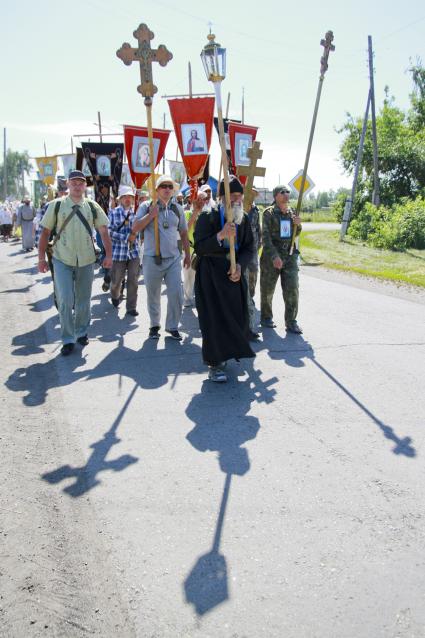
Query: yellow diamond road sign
295	183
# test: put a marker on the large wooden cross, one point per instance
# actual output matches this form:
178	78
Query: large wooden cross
254	153
145	56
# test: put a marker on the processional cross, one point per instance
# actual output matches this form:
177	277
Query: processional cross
254	153
145	55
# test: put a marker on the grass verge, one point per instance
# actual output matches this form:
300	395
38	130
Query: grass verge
324	248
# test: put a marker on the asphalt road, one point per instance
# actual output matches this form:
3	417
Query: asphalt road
139	499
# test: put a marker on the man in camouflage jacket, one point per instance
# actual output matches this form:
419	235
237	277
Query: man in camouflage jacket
278	223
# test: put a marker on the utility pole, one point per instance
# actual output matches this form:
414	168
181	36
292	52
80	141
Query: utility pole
375	195
4	165
350	199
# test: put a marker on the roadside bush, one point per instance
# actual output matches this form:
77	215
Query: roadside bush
396	228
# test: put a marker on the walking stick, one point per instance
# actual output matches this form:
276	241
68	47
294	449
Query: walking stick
328	47
145	56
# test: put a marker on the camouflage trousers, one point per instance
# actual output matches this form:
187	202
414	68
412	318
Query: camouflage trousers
289	282
252	280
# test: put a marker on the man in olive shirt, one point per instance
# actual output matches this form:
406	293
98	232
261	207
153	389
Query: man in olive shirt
73	218
276	262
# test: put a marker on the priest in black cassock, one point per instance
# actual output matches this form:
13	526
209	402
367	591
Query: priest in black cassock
221	298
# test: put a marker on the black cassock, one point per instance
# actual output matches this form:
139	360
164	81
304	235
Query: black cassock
221	303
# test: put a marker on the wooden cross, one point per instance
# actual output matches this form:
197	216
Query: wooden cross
254	153
145	56
328	47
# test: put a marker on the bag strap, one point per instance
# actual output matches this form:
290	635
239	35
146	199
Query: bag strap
64	225
123	223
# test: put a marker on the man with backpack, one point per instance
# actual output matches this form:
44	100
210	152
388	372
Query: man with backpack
172	226
73	219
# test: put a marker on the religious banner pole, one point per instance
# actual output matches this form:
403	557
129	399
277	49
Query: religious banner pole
214	60
326	43
145	56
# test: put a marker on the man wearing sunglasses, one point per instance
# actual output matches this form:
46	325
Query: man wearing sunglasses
276	262
171	224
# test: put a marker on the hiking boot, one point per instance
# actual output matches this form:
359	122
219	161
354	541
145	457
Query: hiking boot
66	349
175	334
83	340
293	327
154	332
268	323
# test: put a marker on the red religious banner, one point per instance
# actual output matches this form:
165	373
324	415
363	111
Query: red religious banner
241	138
193	122
137	150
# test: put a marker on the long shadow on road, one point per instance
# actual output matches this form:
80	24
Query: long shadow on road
222	425
295	350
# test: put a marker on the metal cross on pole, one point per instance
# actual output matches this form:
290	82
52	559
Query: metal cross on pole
254	153
145	56
327	45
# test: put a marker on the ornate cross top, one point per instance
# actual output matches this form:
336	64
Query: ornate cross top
254	153
328	47
145	56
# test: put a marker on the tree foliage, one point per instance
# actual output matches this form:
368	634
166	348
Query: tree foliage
401	147
17	164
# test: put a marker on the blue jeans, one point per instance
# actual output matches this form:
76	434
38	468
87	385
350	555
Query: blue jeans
73	286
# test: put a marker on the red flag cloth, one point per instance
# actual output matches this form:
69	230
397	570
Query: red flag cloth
193	123
241	138
137	150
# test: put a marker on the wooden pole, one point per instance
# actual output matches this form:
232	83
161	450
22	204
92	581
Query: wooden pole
72	146
328	47
163	159
375	196
228	206
100	126
189	70
45	150
243	105
350	199
148	104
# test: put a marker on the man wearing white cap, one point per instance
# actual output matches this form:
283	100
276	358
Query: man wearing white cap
171	225
125	256
209	203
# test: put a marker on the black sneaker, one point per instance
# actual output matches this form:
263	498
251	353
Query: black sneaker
66	349
83	340
154	332
115	302
133	312
175	334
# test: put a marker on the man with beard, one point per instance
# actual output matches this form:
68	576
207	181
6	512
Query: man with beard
221	297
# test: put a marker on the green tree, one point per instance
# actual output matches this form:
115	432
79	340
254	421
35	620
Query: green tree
17	165
401	147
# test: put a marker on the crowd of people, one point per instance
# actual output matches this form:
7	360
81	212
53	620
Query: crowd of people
192	262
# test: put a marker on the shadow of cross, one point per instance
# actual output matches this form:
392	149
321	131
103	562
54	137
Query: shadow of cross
86	476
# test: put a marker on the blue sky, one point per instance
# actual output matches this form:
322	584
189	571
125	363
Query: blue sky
59	66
